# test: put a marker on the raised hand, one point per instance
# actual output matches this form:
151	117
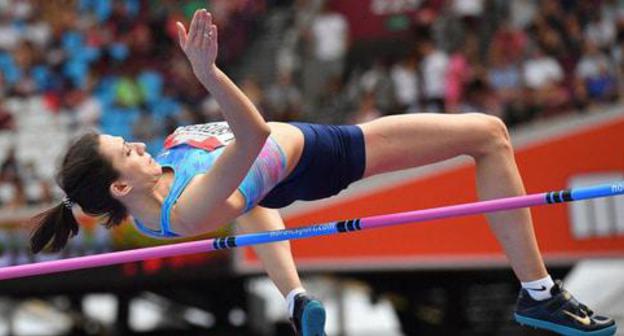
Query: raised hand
200	45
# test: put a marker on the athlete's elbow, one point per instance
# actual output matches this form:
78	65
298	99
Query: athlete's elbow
258	138
264	132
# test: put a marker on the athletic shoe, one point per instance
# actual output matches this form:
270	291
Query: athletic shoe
562	314
309	316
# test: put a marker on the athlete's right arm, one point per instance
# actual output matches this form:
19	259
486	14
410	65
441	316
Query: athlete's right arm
201	46
209	193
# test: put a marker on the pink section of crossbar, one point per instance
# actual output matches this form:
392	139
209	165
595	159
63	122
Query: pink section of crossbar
454	211
106	259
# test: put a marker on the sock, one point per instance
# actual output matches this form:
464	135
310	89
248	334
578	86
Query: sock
290	299
539	289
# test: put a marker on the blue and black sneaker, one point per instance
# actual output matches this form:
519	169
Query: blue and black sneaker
562	314
308	317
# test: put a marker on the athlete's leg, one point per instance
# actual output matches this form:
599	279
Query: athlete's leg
307	314
404	141
275	257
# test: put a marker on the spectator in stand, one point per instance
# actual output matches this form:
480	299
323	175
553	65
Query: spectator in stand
251	88
596	75
510	42
171	123
3	84
521	13
24	56
433	67
378	82
367	110
180	81
36	30
573	35
469	11
463	67
505	78
36	189
543	77
9	34
617	53
145	128
405	81
328	40
601	29
88	110
477	92
12	193
551	16
283	99
10	169
572	46
84	108
237	19
339	97
210	110
7	123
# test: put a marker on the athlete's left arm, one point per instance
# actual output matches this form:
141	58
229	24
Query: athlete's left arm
276	257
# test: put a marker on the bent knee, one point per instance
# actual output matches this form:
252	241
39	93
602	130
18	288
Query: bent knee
491	133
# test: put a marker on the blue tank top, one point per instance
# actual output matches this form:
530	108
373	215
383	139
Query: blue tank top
192	150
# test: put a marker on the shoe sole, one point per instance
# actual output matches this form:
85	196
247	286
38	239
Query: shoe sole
313	320
527	321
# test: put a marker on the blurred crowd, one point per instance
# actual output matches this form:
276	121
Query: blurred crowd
519	60
115	65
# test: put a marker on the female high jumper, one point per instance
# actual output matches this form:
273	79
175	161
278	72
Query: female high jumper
245	168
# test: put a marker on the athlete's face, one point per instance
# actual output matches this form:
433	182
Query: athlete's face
138	170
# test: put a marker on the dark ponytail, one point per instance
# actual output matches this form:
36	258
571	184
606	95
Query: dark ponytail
85	176
58	223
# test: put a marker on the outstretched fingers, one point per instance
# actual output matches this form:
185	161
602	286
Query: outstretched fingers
182	36
209	32
200	43
213	38
208	16
195	27
214	33
202	32
203	38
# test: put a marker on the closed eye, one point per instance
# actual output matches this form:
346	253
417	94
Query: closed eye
128	149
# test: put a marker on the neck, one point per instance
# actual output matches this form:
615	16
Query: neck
147	206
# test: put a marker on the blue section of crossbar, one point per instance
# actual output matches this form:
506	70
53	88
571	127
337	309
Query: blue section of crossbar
601	190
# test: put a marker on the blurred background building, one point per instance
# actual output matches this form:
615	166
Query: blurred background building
115	65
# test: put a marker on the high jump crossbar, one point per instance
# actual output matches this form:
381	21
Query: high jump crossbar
365	223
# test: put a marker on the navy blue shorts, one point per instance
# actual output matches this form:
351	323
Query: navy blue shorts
333	157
